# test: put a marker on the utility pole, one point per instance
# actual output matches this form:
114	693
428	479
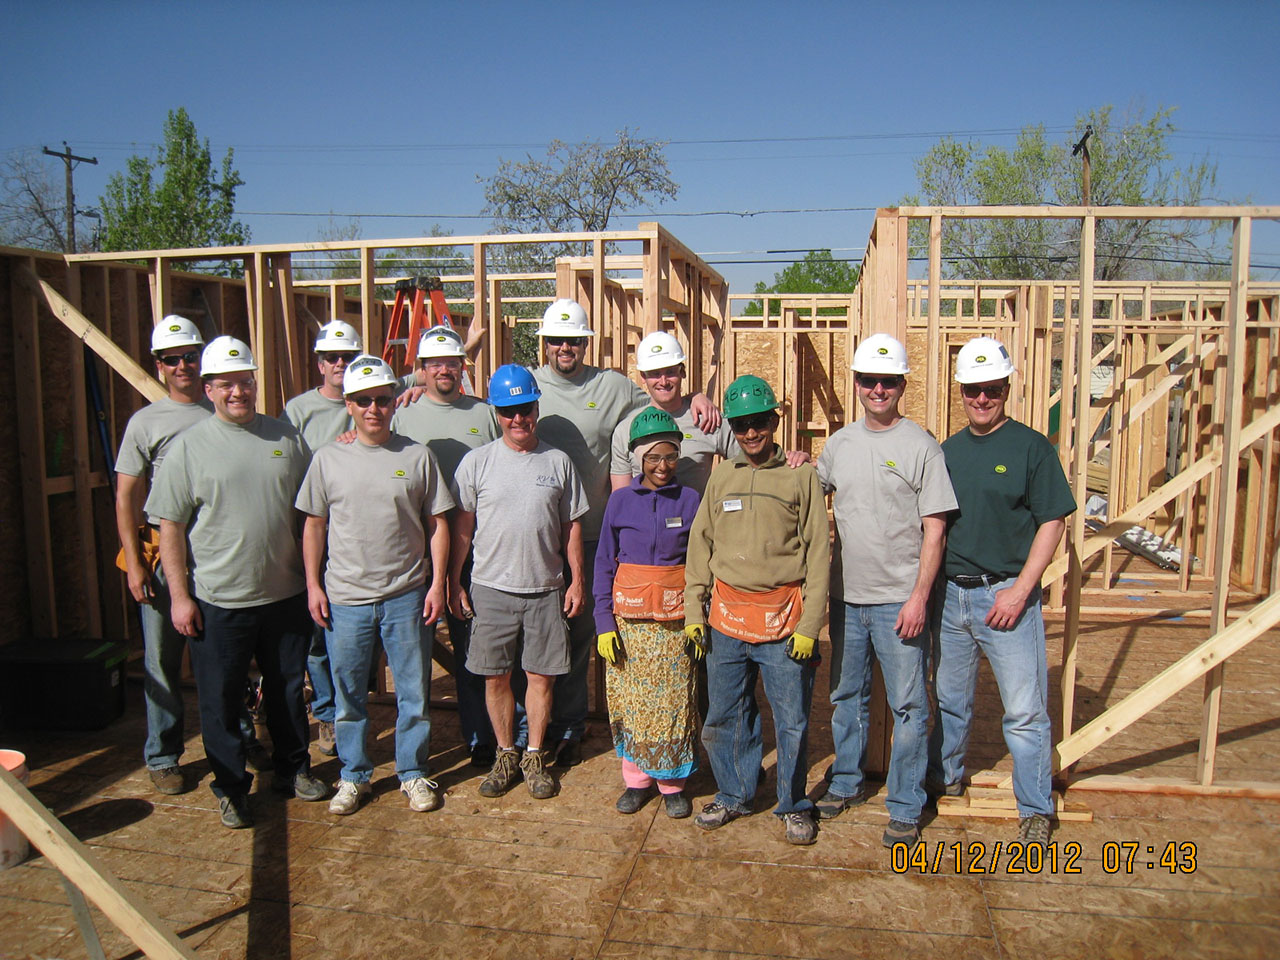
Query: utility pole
68	157
1082	147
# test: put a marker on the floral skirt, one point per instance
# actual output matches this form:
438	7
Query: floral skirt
652	701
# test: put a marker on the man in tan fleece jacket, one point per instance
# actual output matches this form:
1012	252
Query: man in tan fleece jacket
758	564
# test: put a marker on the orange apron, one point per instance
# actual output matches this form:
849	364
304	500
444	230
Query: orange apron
756	617
149	541
642	592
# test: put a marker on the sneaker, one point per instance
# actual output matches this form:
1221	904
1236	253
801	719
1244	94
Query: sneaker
422	793
326	742
348	797
678	805
169	781
534	767
1035	829
235	812
503	775
833	804
715	815
569	754
802	829
901	831
483	755
258	756
633	798
301	785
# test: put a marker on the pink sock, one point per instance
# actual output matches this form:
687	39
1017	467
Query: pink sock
634	777
670	786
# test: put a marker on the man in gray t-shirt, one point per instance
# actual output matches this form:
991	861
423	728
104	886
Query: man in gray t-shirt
451	424
320	415
520	502
228	533
378	505
891	496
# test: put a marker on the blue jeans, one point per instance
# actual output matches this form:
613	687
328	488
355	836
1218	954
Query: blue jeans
569	708
276	635
732	732
354	633
1017	659
856	630
163	647
319	669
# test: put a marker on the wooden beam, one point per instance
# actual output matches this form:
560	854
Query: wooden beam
1109	783
1169	681
80	438
135	918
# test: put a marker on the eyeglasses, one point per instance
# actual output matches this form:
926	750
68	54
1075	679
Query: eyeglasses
994	391
760	423
675	373
383	400
451	363
869	381
654	459
226	386
190	358
516	410
565	341
337	358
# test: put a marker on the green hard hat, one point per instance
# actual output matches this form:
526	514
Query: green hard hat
748	395
653	424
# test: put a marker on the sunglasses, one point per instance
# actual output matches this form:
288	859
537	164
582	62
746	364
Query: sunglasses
191	358
383	400
336	358
760	422
515	410
565	341
994	391
869	381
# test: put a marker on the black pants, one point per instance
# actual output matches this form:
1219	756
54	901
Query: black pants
278	635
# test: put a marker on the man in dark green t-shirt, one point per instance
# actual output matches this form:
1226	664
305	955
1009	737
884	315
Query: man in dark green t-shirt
1013	496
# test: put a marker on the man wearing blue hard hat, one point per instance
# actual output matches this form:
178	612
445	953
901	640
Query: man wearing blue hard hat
520	505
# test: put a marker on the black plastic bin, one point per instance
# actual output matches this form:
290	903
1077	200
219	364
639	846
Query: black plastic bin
61	684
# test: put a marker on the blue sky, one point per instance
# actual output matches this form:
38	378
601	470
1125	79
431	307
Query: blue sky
396	108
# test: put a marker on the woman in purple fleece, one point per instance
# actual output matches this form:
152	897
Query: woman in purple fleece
639	611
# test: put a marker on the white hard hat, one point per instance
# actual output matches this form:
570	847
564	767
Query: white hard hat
175	331
880	353
226	355
440	341
983	359
658	351
337	335
366	372
565	318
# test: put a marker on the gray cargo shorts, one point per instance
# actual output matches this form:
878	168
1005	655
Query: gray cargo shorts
505	619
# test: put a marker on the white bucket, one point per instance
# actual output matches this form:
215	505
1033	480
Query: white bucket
13	843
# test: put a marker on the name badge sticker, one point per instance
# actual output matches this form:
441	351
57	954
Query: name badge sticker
729	506
675	523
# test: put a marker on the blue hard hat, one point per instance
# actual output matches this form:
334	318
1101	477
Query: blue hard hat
512	384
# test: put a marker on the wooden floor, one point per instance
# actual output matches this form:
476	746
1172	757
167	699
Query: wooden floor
569	877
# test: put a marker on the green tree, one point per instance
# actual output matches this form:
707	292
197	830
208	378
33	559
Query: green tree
187	206
818	272
1132	165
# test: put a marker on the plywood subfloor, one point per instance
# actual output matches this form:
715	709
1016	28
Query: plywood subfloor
569	877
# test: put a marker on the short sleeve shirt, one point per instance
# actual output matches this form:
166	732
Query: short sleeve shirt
577	415
1007	482
698	450
234	487
317	418
521	501
378	501
884	483
449	429
152	430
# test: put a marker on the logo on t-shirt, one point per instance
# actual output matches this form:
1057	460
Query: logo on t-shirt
400	473
1001	468
547	480
475	429
891	463
688	436
277	453
591	404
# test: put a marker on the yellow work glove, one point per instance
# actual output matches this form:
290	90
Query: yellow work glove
696	634
607	644
800	647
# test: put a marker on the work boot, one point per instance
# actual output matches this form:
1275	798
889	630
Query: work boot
901	831
715	815
503	775
633	798
802	829
678	805
168	780
1034	829
534	767
832	804
326	742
